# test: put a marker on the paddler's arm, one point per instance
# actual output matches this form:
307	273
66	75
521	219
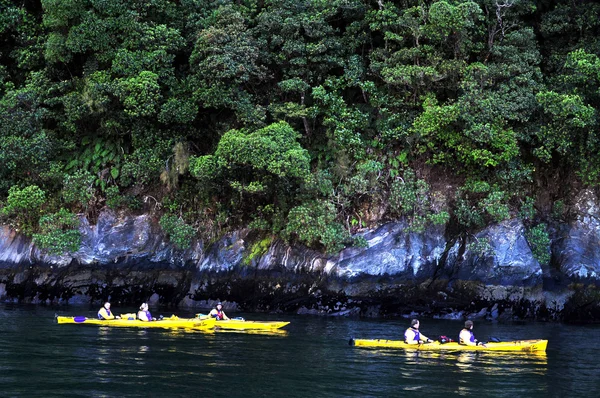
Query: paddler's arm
425	339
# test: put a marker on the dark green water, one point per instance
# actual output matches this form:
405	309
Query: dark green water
39	358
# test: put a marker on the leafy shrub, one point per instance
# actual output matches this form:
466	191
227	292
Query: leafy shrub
493	205
25	206
314	223
539	241
409	197
59	232
527	211
78	187
480	247
178	232
558	209
478	202
114	199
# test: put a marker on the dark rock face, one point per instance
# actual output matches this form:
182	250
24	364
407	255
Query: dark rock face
577	246
490	275
504	259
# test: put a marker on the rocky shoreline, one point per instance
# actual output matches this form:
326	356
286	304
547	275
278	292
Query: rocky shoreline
126	259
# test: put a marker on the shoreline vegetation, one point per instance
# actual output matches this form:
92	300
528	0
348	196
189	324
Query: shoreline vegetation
305	122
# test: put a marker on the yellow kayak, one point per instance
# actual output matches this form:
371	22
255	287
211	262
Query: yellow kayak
519	345
242	324
168	323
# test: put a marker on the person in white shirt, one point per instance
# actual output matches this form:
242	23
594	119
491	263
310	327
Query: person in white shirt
466	335
144	314
412	335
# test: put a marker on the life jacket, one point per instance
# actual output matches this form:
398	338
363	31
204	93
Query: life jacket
148	315
104	313
219	315
415	331
471	338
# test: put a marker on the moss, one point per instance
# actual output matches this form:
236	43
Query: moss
258	249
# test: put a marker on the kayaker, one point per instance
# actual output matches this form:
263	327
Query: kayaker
218	312
144	314
413	336
104	312
466	335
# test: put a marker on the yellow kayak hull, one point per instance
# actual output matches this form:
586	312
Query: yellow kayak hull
173	322
513	346
234	324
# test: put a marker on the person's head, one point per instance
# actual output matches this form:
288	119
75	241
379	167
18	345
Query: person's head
144	307
468	324
219	306
107	305
414	324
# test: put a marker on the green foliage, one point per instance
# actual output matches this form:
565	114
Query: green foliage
257	249
478	203
278	105
539	241
25	145
114	199
481	247
100	157
568	118
59	232
225	65
558	209
25	207
78	187
178	232
409	197
528	211
253	169
140	94
314	225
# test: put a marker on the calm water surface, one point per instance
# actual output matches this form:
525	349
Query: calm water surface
39	358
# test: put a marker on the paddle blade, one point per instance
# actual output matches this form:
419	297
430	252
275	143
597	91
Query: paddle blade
79	319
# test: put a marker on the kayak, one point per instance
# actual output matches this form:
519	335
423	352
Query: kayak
242	324
513	346
167	323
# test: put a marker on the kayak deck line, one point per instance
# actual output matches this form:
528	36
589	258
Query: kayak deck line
201	322
242	324
172	322
249	325
538	345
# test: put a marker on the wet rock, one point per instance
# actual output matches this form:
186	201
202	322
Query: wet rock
576	247
492	275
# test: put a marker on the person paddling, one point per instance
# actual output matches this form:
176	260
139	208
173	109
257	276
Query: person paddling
218	312
466	336
144	314
413	336
105	314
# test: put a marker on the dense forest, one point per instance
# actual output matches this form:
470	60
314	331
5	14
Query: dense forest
305	120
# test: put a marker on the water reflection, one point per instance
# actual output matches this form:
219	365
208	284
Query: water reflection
275	332
310	358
